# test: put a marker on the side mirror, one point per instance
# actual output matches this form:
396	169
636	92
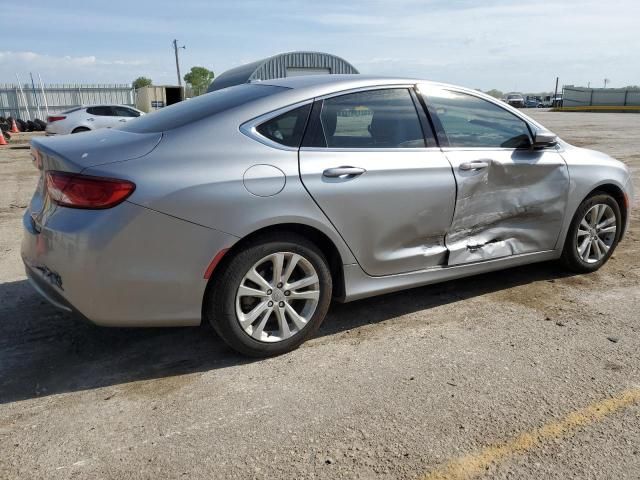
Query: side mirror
544	138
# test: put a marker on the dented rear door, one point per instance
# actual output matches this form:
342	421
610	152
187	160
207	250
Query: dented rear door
511	199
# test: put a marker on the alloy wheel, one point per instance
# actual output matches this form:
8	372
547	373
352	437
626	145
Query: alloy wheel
277	297
596	233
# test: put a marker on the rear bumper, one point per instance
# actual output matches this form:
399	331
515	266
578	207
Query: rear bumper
39	280
127	266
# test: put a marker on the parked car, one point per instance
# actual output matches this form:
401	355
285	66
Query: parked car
533	102
93	117
515	100
252	207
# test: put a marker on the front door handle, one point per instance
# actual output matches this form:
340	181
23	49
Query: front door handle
123	120
475	165
341	172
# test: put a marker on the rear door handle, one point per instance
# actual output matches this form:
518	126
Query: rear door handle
475	165
338	172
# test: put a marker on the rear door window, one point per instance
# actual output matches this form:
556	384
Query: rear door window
385	118
102	111
286	129
125	112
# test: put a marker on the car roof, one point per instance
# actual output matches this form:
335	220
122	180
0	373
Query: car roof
319	85
334	83
106	105
308	86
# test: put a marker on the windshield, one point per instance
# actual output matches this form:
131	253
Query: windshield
195	109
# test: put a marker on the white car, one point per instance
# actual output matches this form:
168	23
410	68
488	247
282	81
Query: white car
93	117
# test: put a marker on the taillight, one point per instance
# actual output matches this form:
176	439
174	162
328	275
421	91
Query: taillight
84	191
55	118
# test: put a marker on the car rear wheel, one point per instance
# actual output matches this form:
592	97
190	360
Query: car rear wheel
272	296
593	234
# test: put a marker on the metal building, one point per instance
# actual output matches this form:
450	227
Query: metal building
283	65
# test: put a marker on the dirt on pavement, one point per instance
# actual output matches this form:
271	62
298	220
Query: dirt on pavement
526	373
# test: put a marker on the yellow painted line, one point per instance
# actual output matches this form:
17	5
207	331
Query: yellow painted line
626	108
474	464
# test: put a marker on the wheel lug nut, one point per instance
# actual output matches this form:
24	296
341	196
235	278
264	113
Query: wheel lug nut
269	292
287	293
281	304
279	285
271	304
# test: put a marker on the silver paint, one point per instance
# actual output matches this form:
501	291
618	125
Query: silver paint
264	180
411	218
402	227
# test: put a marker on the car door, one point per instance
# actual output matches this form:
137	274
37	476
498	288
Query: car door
100	117
387	189
511	198
123	114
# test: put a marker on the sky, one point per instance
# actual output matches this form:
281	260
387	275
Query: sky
509	45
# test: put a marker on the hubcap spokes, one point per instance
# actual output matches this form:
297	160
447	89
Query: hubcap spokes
277	297
596	233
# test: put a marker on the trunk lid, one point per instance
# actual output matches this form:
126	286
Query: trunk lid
74	153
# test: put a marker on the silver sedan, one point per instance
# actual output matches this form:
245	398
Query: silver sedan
254	206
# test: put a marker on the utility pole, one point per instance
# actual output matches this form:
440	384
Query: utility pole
555	93
175	49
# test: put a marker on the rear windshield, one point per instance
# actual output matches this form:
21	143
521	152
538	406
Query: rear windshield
195	109
71	110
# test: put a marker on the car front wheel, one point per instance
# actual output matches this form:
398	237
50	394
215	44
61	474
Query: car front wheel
271	296
593	234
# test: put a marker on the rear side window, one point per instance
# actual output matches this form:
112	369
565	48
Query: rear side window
100	111
197	108
286	129
373	119
468	121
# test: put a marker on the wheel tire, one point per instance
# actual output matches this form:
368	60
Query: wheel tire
80	129
570	256
220	309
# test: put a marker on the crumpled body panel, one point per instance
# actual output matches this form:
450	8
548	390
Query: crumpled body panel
516	205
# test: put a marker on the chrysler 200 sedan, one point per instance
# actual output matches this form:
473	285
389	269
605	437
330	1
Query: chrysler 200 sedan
254	206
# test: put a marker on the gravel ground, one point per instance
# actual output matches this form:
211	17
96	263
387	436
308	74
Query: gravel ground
527	373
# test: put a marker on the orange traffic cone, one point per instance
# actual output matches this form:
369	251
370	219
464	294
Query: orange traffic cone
2	140
14	127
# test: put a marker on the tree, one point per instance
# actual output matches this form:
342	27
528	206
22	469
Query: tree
141	82
495	93
199	78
